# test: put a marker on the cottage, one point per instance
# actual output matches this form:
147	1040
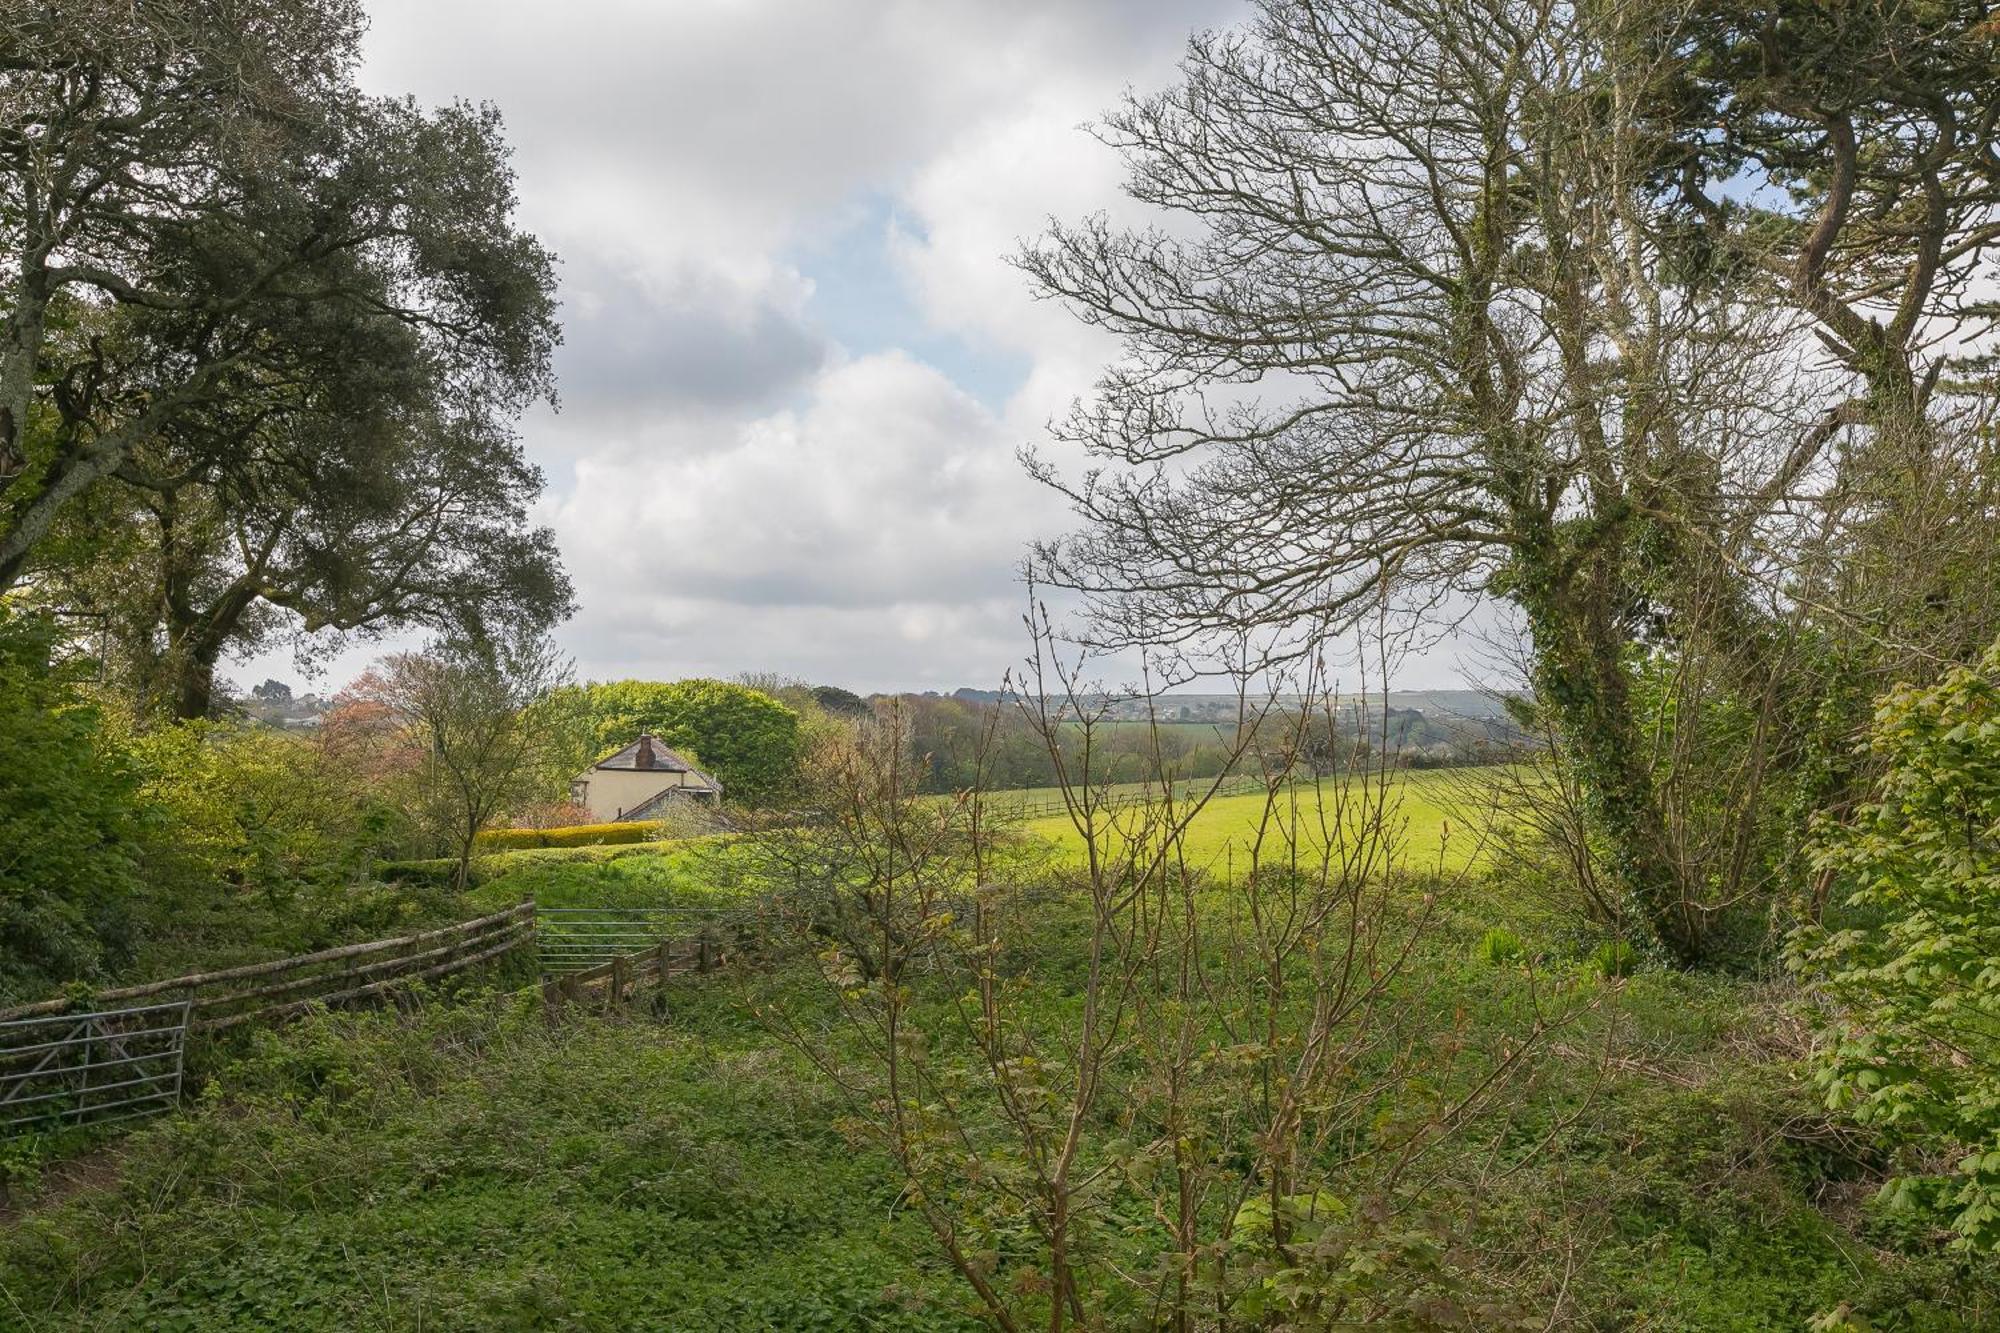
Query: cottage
640	781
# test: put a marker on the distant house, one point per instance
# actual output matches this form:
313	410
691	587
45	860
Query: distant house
640	782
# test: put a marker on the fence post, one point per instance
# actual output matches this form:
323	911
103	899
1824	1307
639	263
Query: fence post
532	934
620	967
703	958
662	960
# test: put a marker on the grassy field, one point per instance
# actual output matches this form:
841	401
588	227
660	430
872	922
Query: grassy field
1432	815
1663	1167
647	874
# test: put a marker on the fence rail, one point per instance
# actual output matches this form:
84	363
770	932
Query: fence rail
232	996
78	1059
91	1068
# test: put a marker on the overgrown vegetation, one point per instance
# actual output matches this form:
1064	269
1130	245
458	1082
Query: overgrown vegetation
468	1164
1912	971
1659	328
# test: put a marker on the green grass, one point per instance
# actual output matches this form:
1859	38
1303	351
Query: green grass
1429	813
655	874
467	1167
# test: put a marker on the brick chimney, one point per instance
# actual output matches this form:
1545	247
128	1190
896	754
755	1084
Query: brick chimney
645	752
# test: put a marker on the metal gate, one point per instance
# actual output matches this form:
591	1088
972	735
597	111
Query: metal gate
575	939
91	1068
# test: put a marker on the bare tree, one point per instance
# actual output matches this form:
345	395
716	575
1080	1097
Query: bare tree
1216	1060
1424	231
1448	307
466	708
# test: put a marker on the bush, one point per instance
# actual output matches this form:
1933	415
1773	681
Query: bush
1914	1048
259	808
69	852
1499	946
1613	958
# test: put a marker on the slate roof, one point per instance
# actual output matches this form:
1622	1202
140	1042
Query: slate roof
648	755
656	804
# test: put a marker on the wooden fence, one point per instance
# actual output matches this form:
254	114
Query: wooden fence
266	992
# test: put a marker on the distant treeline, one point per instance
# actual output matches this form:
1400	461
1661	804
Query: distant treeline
956	737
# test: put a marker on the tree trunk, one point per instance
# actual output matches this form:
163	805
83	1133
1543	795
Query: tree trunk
1579	677
196	648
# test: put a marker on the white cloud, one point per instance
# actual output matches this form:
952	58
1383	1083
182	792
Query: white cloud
870	534
731	489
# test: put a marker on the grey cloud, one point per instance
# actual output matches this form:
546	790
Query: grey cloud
729	490
633	346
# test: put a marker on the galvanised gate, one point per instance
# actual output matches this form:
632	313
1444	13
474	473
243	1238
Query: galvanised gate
72	1069
576	939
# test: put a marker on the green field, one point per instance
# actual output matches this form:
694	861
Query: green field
676	874
1432	818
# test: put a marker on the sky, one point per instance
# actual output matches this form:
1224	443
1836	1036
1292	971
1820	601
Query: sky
797	366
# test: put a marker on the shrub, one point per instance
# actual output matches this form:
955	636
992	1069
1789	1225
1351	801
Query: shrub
1613	958
68	850
1914	1046
255	807
1499	946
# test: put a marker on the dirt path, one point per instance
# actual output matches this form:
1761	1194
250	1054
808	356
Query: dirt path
96	1168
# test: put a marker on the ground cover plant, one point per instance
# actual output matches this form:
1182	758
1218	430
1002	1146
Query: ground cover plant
466	1167
1666	1166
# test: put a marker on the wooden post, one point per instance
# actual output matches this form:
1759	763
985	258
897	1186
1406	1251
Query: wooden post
663	958
620	968
704	959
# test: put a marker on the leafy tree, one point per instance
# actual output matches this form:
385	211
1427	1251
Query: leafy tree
1839	161
319	534
746	738
288	320
844	702
69	831
1914	972
465	710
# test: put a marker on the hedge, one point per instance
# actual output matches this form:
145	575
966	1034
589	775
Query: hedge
577	835
487	866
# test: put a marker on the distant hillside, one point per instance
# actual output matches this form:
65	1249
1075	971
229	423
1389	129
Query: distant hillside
1436	705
